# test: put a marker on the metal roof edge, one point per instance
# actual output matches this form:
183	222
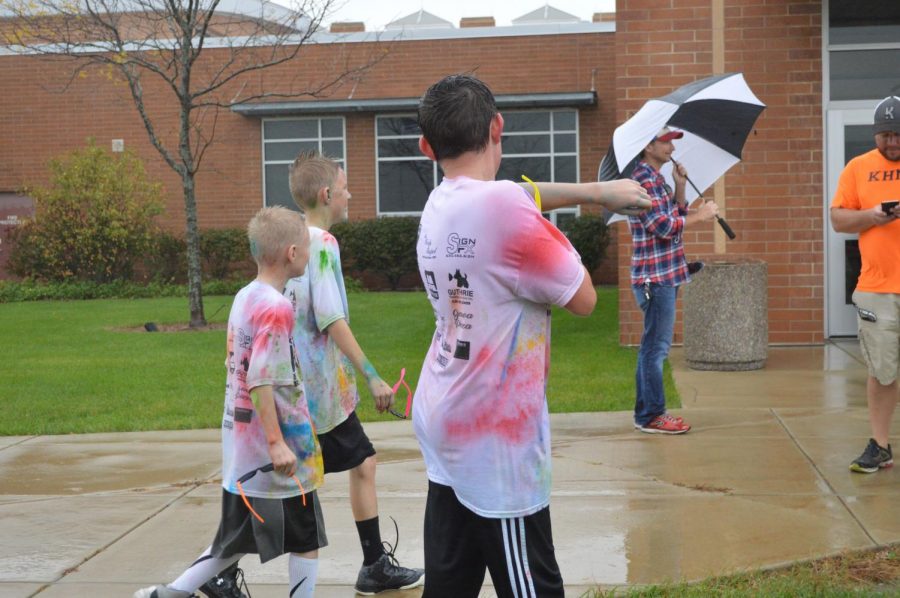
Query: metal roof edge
525	100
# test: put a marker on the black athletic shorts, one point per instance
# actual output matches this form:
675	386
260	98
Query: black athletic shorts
288	527
460	546
345	446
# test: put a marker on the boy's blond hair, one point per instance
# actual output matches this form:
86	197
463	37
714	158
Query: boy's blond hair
310	172
272	230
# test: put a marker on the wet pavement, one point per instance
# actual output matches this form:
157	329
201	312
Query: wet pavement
760	481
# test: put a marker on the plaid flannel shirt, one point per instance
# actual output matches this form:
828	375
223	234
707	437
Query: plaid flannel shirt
657	249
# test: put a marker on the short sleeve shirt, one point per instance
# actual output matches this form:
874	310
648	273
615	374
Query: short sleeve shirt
259	353
492	266
319	299
865	182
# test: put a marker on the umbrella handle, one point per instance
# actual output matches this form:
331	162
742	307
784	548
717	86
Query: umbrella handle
725	227
721	220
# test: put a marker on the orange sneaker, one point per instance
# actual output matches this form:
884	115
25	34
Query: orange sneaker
666	424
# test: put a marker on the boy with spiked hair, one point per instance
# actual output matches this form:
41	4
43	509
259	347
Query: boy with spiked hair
271	460
328	354
480	412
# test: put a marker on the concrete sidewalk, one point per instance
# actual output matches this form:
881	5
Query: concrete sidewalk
761	480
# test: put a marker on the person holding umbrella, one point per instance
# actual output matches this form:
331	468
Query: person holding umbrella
866	203
658	268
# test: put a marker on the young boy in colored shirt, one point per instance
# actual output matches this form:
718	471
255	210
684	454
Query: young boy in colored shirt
271	460
328	353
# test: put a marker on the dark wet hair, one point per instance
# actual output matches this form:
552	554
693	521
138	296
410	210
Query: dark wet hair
455	115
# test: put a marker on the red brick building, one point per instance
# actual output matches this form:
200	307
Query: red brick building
563	85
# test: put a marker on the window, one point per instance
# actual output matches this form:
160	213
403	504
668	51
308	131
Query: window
863	21
284	138
864	53
542	145
405	176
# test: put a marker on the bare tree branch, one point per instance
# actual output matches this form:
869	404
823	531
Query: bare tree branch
167	39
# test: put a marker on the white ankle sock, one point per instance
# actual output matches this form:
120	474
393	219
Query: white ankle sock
201	571
303	574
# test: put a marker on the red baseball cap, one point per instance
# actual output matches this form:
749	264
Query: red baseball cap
667	135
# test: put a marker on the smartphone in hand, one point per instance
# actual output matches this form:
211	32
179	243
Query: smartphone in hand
888	206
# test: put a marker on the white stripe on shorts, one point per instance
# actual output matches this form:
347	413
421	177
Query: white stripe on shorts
517	558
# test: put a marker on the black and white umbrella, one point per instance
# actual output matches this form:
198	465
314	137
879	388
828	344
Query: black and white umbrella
716	115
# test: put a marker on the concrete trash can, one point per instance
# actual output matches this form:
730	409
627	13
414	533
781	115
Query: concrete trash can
726	323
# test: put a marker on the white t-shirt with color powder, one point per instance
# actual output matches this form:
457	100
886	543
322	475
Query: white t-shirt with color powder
320	299
259	353
492	266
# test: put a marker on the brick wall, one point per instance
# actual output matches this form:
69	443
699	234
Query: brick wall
775	196
37	123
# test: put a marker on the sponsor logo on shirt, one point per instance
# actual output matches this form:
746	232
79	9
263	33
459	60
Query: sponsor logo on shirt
462	280
242	415
442	360
458	246
430	249
244	340
462	319
231	362
462	350
431	283
462	294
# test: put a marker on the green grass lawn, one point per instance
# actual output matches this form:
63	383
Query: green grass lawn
69	366
857	573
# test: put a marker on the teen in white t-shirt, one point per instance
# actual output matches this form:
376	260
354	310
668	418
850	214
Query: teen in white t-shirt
491	266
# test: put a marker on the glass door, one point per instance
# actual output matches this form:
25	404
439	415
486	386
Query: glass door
849	135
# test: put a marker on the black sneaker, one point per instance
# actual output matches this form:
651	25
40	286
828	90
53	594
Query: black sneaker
386	573
226	584
873	458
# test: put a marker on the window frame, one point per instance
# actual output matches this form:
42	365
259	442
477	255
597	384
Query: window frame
320	139
379	159
551	155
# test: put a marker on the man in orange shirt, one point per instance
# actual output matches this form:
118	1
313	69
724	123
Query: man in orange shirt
866	182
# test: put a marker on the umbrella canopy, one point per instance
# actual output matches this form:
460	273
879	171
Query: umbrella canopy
716	115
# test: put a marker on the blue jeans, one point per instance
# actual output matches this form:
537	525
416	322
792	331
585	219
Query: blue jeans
659	326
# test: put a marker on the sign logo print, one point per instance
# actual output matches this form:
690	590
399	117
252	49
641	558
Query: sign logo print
458	246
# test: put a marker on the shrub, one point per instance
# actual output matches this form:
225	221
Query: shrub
385	246
166	258
353	285
590	237
92	222
220	250
30	290
222	247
